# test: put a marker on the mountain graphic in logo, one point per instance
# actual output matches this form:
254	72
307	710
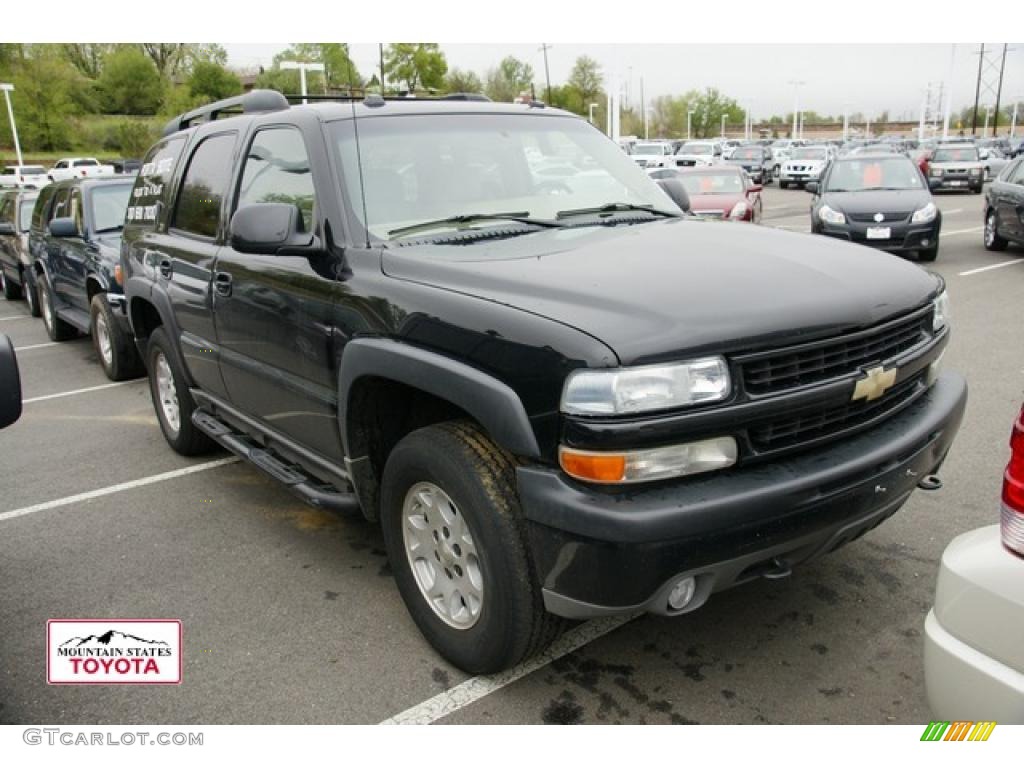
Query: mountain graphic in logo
110	637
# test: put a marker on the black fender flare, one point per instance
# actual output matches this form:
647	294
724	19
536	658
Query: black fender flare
141	289
494	404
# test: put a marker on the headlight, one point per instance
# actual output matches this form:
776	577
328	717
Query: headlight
651	464
739	210
941	317
829	216
924	215
616	391
935	171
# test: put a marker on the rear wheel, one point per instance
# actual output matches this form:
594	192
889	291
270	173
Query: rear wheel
11	291
56	329
171	399
456	540
115	348
993	241
783	184
32	294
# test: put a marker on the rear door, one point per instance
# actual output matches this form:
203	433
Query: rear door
187	253
74	255
1010	202
56	268
274	313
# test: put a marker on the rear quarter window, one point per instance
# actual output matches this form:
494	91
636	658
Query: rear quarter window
152	186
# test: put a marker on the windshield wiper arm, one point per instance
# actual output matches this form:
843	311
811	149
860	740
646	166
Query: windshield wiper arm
614	207
522	217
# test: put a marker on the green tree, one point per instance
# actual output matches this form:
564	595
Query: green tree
130	83
708	109
43	102
87	58
509	79
212	82
668	115
418	65
168	58
586	80
462	81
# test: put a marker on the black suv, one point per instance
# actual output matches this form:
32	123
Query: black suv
561	396
75	244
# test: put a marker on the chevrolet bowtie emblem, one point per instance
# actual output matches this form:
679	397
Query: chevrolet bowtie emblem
874	384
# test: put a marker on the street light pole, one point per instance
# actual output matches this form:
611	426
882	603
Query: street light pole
547	77
949	93
723	126
7	88
592	105
796	104
303	67
689	114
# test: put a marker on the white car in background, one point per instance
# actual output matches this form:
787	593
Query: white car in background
974	635
804	164
78	167
651	154
698	153
729	146
20	176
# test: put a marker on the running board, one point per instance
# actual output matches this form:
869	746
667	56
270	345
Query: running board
300	484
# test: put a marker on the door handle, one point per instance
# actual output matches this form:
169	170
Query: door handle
165	268
222	283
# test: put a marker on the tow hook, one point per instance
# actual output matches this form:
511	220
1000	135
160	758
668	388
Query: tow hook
930	483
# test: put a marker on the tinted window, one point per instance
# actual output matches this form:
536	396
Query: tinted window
277	171
84	163
61	205
33	170
151	185
109	203
39	209
204	186
8	172
25	214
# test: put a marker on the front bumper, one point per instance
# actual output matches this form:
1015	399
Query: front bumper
956	182
602	552
798	177
904	237
973	661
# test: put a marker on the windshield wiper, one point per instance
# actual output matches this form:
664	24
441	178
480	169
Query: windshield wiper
613	208
116	228
522	217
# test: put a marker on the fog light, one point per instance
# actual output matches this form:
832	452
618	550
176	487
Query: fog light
682	593
925	242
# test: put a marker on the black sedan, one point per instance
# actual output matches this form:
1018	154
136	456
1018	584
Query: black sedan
879	200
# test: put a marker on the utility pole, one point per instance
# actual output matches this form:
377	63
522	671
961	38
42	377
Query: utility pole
723	125
7	88
796	104
547	77
977	91
949	92
999	92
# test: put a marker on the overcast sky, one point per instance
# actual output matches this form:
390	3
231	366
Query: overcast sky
866	78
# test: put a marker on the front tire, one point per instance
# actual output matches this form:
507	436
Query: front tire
32	295
456	541
10	290
993	242
783	184
115	348
56	329
171	399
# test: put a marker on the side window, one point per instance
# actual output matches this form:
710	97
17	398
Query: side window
61	205
204	186
75	209
1016	175
61	164
39	209
6	209
277	171
153	181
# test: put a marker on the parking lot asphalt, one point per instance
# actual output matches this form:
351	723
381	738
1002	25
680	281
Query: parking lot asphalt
290	614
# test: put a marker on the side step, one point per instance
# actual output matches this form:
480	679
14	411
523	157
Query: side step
303	486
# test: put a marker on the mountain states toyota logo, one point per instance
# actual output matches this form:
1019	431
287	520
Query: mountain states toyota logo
113	651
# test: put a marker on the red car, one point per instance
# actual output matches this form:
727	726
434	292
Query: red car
718	192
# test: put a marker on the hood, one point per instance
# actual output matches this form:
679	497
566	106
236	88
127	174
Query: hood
714	202
875	201
676	287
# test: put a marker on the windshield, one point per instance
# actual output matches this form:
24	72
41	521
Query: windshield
109	204
649	149
695	149
84	163
725	183
421	168
25	213
747	153
808	154
875	173
955	155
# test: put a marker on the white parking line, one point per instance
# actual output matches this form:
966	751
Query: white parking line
35	346
954	210
16	317
961	231
474	689
117	488
78	391
1000	265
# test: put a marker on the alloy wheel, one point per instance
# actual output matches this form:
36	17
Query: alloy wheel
167	393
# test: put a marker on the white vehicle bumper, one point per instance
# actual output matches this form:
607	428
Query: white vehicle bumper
979	609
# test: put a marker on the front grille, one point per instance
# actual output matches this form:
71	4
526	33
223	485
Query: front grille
685	163
806	427
818	361
870	217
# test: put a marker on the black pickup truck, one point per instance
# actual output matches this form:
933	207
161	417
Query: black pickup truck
485	327
75	246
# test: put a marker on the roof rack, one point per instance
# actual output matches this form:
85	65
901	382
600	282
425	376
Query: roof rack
253	101
372	99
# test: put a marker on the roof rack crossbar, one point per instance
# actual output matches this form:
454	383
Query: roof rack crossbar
253	101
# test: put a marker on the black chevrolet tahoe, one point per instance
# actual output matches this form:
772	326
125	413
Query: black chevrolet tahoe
561	396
